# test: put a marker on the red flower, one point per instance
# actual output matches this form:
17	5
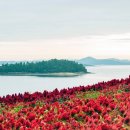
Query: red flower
127	120
31	116
105	127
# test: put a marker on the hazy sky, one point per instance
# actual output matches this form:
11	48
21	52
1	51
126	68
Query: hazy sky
44	29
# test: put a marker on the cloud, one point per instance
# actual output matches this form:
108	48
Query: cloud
125	36
123	39
100	46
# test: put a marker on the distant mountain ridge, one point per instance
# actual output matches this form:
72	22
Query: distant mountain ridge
109	61
85	61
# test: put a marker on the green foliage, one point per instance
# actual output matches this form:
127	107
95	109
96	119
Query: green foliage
119	91
51	66
78	118
89	95
1	110
18	108
55	110
2	107
39	103
61	100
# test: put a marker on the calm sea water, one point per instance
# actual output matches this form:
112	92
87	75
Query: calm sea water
21	84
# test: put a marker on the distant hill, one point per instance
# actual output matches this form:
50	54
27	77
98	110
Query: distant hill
109	61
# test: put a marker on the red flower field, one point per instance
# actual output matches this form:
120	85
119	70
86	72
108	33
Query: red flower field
103	106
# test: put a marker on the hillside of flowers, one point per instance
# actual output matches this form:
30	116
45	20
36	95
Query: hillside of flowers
103	106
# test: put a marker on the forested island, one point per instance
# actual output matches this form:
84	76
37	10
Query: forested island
52	67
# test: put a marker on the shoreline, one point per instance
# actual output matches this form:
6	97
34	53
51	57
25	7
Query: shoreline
60	74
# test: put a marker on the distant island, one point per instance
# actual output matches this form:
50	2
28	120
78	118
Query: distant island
52	67
110	61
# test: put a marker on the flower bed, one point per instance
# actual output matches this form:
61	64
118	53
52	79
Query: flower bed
103	106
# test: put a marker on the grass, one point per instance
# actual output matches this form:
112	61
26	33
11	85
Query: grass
89	95
17	109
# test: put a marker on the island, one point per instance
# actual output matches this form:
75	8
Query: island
53	67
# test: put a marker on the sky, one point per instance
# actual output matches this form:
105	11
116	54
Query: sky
64	29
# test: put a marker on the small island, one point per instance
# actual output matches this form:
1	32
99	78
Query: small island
50	68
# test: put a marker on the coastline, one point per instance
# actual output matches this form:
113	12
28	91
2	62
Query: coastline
60	74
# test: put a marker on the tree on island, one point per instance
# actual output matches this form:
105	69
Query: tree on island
50	66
